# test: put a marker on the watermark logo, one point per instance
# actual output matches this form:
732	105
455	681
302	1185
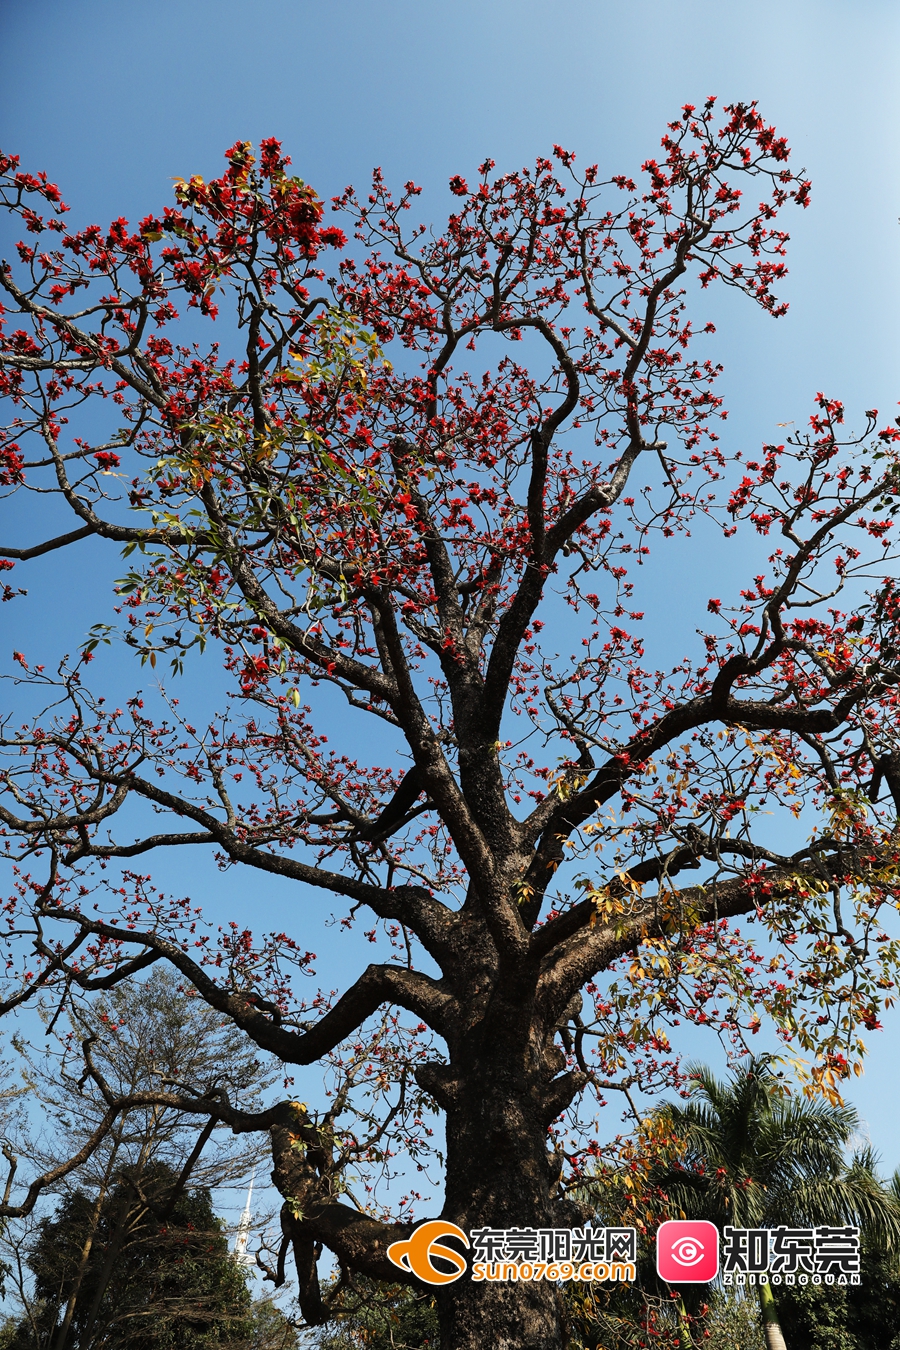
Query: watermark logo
519	1254
416	1254
555	1254
687	1251
782	1255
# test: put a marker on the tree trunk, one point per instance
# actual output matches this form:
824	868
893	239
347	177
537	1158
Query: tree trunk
500	1174
501	1316
111	1256
62	1335
774	1338
685	1338
504	1086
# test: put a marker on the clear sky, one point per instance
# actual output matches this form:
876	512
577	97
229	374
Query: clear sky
116	99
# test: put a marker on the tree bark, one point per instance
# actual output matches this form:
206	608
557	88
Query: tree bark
500	1174
774	1338
500	1093
685	1338
62	1336
501	1316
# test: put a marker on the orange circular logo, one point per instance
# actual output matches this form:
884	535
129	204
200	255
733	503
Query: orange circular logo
414	1255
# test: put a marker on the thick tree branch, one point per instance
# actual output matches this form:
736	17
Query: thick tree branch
377	985
37	550
592	949
557	820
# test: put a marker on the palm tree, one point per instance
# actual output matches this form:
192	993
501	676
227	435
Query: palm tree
752	1157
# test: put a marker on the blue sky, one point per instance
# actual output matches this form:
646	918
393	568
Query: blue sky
115	100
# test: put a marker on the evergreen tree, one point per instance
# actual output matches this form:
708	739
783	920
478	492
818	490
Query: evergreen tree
754	1158
126	1221
152	1281
376	1317
859	1317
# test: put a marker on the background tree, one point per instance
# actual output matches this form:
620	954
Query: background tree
270	1327
171	1281
374	1316
860	1317
742	1152
733	1321
629	1189
754	1158
130	1189
395	532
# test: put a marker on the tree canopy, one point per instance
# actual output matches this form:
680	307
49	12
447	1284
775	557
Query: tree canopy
175	1286
380	490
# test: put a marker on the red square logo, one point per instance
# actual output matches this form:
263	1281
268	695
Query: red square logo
687	1251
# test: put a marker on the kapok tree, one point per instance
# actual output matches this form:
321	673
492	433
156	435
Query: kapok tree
417	487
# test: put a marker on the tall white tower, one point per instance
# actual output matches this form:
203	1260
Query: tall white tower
240	1253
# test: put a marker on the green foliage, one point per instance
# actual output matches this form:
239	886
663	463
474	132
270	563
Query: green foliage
816	1317
619	1317
751	1156
151	1281
733	1323
379	1317
128	1257
858	1317
745	1153
267	1328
